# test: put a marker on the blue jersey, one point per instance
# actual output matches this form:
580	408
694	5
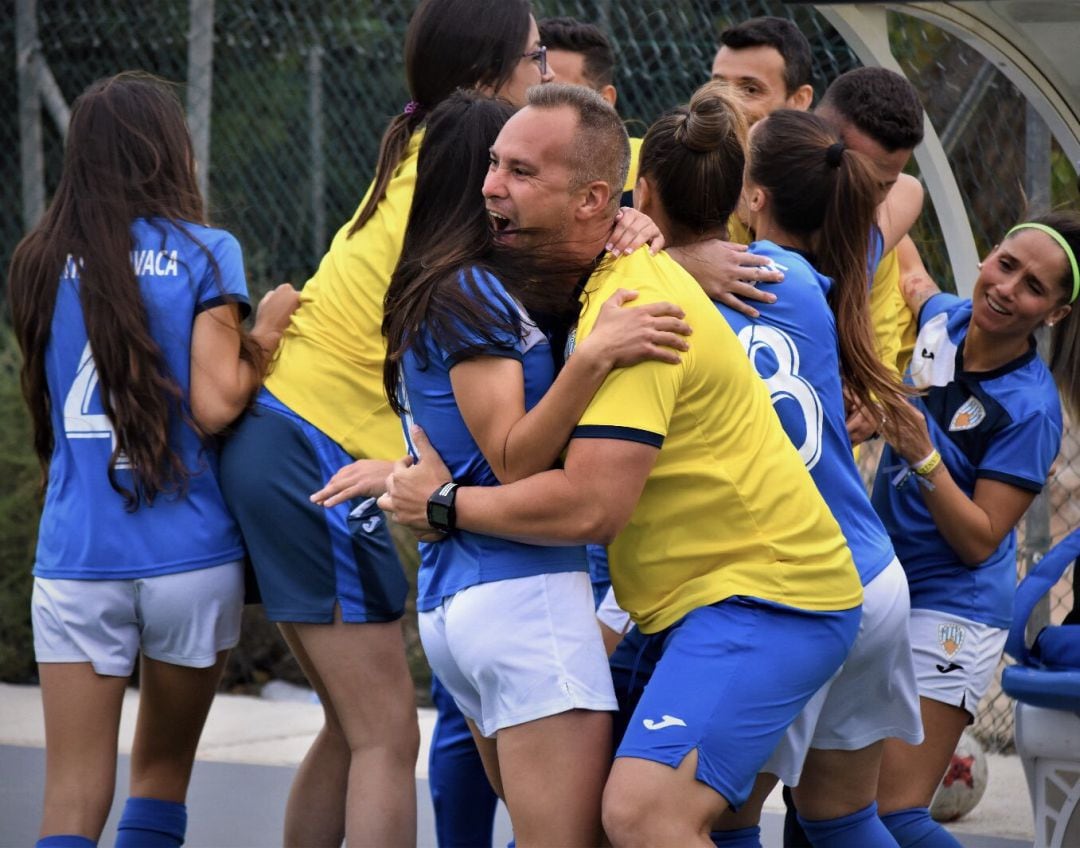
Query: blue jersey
86	533
793	346
466	559
1000	425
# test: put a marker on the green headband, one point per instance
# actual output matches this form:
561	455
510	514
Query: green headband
1060	239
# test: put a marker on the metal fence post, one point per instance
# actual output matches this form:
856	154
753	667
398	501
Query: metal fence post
318	154
200	82
31	157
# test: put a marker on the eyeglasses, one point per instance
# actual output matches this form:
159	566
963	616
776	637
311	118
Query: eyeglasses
540	57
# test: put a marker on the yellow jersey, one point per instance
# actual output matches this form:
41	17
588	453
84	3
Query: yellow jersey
635	155
907	327
729	508
886	311
737	231
329	366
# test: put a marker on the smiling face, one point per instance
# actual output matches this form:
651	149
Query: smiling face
528	191
1019	286
527	73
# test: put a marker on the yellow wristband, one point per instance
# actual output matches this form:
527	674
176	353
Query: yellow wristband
928	465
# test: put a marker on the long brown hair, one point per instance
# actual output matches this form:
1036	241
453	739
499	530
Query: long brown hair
820	190
128	156
449	44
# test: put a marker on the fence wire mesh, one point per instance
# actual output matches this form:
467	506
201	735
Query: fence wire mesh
292	98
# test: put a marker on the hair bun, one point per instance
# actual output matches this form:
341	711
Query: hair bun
712	115
703	127
695	132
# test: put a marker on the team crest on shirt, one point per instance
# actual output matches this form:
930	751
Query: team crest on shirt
969	416
950	637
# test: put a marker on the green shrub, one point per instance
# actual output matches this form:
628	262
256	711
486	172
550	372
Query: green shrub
19	512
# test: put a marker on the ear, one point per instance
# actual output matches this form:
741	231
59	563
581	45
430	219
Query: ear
754	196
643	196
593	200
751	202
1058	315
801	99
609	93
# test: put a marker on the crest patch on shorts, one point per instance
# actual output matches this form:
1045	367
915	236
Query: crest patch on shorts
950	637
969	416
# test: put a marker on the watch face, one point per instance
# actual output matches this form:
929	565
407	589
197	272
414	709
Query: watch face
438	515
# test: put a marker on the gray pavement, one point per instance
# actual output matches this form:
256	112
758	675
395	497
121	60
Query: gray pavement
251	747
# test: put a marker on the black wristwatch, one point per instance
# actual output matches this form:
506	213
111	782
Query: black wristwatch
440	507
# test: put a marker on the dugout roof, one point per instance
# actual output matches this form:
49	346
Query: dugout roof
1034	43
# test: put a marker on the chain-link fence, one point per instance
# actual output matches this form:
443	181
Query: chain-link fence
287	102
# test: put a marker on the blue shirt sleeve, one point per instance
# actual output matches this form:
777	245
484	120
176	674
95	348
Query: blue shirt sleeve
227	282
493	341
1023	452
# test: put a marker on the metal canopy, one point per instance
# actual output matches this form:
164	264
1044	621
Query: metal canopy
1034	43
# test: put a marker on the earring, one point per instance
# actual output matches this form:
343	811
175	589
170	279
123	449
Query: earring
1049	323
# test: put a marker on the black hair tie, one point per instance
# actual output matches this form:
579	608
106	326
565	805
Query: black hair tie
834	155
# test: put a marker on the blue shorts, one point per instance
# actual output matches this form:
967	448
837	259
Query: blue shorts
599	574
307	558
732	676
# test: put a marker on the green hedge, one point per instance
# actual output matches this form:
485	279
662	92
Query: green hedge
19	510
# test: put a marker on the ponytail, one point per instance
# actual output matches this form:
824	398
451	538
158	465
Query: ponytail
395	142
827	193
842	248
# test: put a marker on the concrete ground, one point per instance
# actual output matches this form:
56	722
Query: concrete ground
251	747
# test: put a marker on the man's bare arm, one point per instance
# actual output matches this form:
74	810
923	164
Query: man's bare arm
590	499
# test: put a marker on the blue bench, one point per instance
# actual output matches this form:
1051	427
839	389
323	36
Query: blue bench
1046	685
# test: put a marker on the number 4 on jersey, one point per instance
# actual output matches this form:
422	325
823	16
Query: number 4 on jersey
79	421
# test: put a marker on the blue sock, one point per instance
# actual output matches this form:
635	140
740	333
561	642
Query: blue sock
65	840
151	823
914	828
744	837
461	795
861	829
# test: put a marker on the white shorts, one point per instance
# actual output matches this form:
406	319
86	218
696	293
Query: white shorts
612	615
183	619
955	658
873	696
517	650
